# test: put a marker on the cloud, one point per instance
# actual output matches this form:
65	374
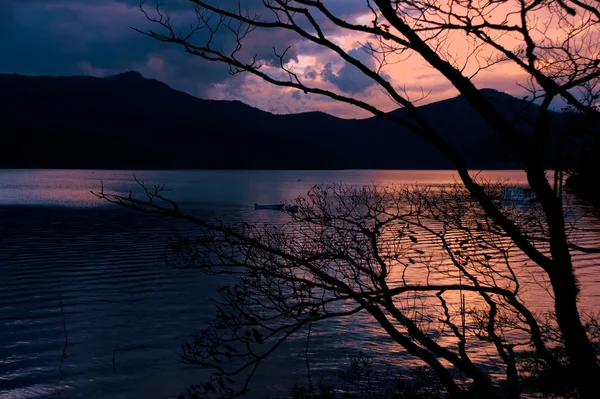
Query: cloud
349	78
89	70
71	37
310	73
93	37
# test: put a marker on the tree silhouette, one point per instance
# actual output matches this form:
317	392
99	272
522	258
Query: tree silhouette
555	43
411	257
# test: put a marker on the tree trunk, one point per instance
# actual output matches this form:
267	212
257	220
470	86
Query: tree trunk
579	349
564	284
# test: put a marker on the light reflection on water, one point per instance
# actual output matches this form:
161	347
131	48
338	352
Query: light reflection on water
219	188
119	295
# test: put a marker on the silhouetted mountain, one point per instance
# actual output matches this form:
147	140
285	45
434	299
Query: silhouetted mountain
127	121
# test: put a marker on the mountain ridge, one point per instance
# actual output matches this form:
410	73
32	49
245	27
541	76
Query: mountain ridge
128	121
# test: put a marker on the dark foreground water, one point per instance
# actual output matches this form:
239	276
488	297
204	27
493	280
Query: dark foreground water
121	302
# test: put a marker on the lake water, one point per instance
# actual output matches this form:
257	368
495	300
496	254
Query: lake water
121	301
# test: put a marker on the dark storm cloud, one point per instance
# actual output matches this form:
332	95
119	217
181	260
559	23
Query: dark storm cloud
75	37
349	78
69	37
346	8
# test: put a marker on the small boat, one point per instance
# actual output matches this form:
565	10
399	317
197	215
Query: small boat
278	207
519	194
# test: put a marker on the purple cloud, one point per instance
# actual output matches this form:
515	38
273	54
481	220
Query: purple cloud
93	37
349	78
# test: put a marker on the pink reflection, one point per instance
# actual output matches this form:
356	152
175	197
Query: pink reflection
442	177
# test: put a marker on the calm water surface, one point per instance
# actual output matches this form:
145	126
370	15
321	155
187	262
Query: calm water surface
239	189
121	300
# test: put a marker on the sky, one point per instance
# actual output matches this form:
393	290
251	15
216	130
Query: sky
94	37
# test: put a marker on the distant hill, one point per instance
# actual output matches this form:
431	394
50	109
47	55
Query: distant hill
128	121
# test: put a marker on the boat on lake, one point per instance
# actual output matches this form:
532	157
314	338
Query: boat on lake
520	194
